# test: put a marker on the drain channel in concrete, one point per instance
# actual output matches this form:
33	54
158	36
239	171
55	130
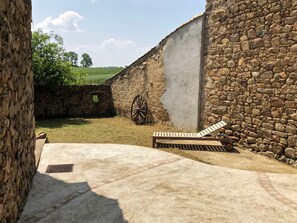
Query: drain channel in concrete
196	147
61	168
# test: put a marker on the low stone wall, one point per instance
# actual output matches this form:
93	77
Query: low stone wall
251	73
17	142
168	77
73	101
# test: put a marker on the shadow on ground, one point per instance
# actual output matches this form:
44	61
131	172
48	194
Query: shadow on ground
190	147
52	200
60	122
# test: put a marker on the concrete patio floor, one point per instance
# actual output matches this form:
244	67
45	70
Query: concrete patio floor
123	183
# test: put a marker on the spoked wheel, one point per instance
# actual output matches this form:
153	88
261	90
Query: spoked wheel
139	110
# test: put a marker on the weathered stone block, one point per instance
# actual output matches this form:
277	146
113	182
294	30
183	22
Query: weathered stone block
292	141
281	134
290	20
293	76
278	149
294	48
252	34
294	116
268	126
277	102
231	63
283	141
275	41
255	74
266	90
258	42
267	75
235	127
290	104
3	5
269	154
295	26
291	129
234	38
264	133
261	2
276	28
294	13
275	114
280	127
251	140
291	153
256	111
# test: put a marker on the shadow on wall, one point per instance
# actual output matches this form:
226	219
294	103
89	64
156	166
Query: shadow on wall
73	101
51	200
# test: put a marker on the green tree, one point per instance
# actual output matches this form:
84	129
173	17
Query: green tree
86	60
49	64
72	58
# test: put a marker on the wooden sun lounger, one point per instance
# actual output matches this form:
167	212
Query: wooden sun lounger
191	136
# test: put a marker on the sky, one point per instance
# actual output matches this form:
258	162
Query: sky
113	32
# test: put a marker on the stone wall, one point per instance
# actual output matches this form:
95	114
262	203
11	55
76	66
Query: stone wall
251	73
146	77
17	165
168	77
73	101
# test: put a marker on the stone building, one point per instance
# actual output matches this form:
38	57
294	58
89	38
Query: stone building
17	166
249	76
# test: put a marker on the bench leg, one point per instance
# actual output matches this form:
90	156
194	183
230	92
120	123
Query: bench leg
154	143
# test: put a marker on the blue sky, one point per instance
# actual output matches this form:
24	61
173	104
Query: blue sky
113	32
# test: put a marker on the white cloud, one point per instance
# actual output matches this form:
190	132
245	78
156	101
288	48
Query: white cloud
118	44
94	1
113	52
66	22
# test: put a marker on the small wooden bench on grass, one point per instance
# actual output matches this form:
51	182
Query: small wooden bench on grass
201	136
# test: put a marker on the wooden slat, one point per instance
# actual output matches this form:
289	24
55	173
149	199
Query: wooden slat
192	135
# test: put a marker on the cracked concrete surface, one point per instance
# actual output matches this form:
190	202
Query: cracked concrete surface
123	183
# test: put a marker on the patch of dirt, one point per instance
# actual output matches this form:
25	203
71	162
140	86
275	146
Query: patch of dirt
243	160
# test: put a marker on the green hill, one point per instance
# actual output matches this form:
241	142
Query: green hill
97	75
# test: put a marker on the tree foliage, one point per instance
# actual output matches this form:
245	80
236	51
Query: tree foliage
86	60
49	64
72	58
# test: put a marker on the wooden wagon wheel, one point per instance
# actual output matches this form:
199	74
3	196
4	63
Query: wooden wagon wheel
139	110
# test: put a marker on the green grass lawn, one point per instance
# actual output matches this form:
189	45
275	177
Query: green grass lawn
116	130
97	75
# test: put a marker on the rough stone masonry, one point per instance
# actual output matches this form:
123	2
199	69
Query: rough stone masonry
168	77
17	166
72	101
251	73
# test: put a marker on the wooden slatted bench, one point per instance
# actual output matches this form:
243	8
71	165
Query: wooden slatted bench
188	136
